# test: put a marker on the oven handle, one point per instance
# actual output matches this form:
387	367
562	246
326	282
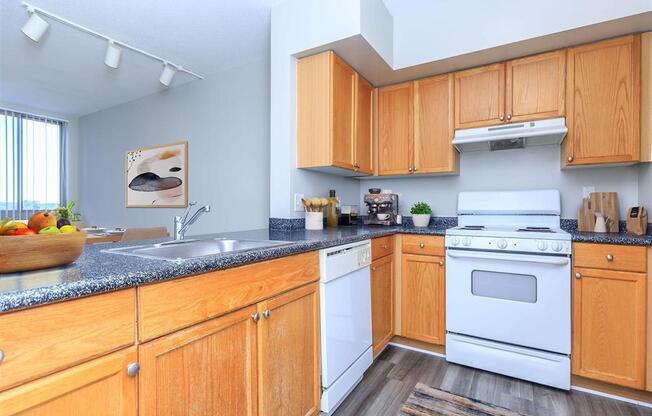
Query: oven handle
558	261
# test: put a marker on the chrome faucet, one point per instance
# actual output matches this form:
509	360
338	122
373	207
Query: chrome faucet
182	223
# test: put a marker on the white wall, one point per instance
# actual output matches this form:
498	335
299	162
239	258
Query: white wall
529	168
298	25
451	28
72	160
224	118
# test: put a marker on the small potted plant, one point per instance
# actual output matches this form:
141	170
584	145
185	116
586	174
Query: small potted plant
421	213
66	216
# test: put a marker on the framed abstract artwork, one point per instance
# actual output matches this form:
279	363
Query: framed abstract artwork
157	176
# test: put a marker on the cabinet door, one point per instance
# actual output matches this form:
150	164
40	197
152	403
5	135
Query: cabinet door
363	125
100	387
434	125
535	87
288	353
343	81
395	129
609	326
480	96
382	302
423	298
207	369
603	99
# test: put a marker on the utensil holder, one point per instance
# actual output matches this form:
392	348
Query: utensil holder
314	220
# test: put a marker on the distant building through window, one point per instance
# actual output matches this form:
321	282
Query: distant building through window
32	163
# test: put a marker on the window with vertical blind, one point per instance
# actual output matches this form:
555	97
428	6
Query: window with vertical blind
32	164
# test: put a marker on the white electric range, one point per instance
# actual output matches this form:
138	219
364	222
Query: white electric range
508	286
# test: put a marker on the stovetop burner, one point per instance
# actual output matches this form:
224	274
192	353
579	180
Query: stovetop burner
473	227
536	229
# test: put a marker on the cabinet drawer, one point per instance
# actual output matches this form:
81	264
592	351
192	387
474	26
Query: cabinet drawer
382	246
49	338
169	306
610	257
423	244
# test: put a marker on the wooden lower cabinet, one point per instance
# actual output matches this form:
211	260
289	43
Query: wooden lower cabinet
609	326
382	302
288	353
423	298
207	369
100	387
260	360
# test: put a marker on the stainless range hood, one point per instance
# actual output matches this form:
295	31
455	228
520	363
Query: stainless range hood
511	136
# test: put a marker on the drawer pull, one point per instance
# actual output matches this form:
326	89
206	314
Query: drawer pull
373	268
422	245
578	275
255	316
133	369
385	247
610	257
267	313
441	263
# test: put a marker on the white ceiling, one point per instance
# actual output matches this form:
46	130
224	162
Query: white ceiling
65	73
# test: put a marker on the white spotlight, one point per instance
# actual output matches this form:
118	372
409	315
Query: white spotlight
113	54
35	27
168	73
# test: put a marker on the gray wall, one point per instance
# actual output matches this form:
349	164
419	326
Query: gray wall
224	118
530	168
645	186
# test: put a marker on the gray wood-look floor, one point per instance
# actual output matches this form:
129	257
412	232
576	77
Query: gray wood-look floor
390	380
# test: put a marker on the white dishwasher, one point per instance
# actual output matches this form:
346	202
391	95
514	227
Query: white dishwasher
345	312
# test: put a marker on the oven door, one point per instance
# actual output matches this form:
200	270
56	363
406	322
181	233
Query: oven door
521	299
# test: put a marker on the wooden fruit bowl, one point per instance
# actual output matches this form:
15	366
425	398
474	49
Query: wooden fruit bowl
33	252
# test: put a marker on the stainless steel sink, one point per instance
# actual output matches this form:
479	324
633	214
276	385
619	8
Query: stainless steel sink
190	249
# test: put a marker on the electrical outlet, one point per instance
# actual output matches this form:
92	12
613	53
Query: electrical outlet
298	204
586	191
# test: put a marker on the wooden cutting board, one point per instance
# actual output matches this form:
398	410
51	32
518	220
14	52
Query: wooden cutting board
606	203
586	216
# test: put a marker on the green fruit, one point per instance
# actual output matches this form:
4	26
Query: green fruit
67	229
49	230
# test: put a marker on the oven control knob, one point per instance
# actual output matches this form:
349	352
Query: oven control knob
502	244
466	241
556	246
542	245
455	241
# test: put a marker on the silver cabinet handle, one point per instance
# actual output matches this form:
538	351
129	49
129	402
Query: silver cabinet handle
414	169
501	117
2	355
441	263
569	158
422	245
578	275
610	257
509	116
133	369
255	316
410	169
267	313
373	268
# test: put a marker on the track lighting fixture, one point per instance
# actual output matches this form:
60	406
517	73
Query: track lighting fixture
113	54
35	27
168	73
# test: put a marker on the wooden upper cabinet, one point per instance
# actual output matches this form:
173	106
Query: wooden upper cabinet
434	126
609	324
100	387
480	96
535	87
395	129
334	110
363	149
603	102
288	354
423	298
343	83
206	369
382	302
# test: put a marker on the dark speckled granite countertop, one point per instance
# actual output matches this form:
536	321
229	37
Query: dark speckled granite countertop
96	271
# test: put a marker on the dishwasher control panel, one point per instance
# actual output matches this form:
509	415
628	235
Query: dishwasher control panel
338	261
